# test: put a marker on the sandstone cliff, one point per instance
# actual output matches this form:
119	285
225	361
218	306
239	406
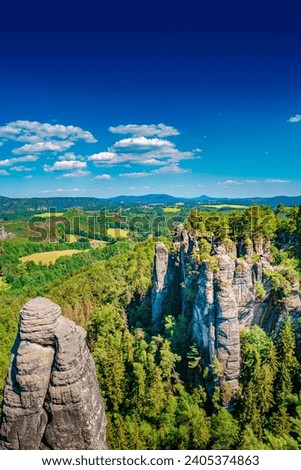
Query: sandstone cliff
51	397
220	295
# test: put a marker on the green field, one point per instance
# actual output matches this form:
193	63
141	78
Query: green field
47	214
171	209
70	238
118	232
47	257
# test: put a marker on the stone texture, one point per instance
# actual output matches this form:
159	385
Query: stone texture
51	397
159	282
203	325
225	297
227	324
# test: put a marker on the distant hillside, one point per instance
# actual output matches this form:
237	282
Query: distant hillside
14	207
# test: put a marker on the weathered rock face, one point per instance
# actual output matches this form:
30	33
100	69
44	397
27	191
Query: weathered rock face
51	397
227	323
159	281
220	296
4	235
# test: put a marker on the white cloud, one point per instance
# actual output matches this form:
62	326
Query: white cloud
147	130
136	174
34	131
153	162
250	181
21	168
4	173
76	174
170	169
295	118
143	143
166	169
28	177
230	182
25	158
141	156
73	190
106	157
272	180
140	150
49	145
61	190
71	156
103	177
237	182
65	165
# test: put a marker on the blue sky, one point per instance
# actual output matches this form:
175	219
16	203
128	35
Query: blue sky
184	103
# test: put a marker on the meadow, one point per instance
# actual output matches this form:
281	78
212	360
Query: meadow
48	257
171	210
118	232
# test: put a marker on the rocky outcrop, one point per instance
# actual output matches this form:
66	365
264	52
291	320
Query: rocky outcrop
51	397
4	235
221	293
159	282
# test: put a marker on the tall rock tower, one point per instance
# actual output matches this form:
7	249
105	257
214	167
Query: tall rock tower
51	397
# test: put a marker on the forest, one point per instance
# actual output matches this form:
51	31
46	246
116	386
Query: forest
154	383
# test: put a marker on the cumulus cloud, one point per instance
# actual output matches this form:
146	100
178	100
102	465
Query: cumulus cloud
76	174
146	147
21	168
34	131
105	176
25	158
65	165
50	145
28	177
275	180
4	173
170	169
153	162
140	155
143	143
106	157
166	169
146	130
71	156
295	118
135	174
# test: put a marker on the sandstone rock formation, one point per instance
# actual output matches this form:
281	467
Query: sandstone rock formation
4	234
51	397
220	296
159	281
